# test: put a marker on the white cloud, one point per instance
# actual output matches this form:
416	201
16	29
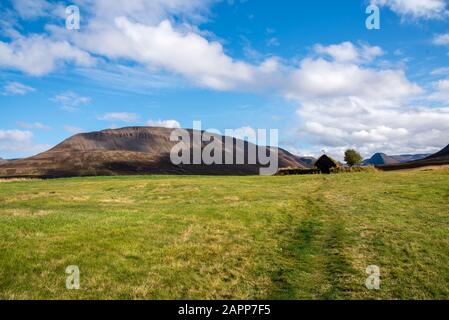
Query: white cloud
172	124
134	31
441	39
101	34
187	54
17	88
71	101
120	116
441	92
443	85
35	125
38	55
348	52
32	8
319	78
339	123
19	142
342	52
416	9
73	130
343	74
147	11
15	135
344	104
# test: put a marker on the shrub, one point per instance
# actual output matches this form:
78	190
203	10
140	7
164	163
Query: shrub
352	157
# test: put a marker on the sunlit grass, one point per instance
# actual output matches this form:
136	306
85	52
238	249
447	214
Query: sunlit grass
293	237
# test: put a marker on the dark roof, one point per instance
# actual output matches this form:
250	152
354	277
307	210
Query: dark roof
326	162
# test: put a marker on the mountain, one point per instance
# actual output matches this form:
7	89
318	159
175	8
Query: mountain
2	161
304	162
443	154
309	162
440	158
380	159
129	151
410	157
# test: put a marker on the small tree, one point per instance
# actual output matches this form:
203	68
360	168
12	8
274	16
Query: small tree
352	157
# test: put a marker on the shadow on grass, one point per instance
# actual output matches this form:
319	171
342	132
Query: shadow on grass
313	264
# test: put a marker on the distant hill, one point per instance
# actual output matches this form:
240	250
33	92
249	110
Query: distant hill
2	161
381	159
308	162
437	159
410	157
305	162
127	151
443	154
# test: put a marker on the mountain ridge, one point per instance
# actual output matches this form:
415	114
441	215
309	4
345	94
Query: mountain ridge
129	151
379	159
440	158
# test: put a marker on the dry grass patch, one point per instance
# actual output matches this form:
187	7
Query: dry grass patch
291	237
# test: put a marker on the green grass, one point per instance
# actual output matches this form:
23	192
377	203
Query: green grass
293	237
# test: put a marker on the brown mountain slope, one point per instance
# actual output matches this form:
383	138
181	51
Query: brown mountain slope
443	154
437	159
127	151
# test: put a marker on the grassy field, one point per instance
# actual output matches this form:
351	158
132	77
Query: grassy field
294	237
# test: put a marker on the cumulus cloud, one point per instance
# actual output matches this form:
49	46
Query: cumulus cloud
19	142
441	39
348	52
172	124
17	88
15	135
187	54
71	101
344	104
134	31
120	116
441	92
319	78
38	55
416	9
339	123
146	33
339	71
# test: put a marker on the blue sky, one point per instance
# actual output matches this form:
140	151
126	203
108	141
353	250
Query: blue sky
310	69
